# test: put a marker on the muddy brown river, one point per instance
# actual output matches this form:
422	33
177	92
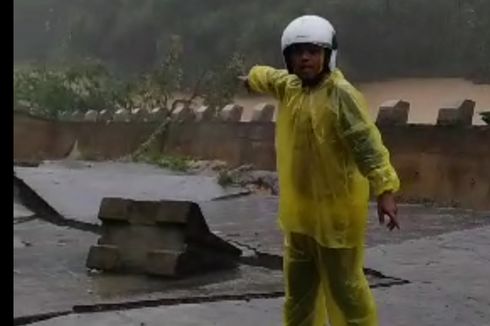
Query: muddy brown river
425	95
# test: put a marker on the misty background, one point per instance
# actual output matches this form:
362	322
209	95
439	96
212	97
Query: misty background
427	52
378	38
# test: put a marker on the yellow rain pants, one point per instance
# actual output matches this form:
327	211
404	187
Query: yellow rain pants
328	154
325	284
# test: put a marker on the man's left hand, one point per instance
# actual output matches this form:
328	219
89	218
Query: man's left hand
387	207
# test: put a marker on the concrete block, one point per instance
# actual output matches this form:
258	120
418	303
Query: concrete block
466	110
114	209
134	241
104	257
91	115
64	115
105	115
458	113
182	113
164	263
145	212
77	115
139	115
263	112
121	115
167	238
393	112
231	112
448	117
162	212
22	105
204	113
157	114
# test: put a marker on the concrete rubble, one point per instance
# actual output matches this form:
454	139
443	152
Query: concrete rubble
162	238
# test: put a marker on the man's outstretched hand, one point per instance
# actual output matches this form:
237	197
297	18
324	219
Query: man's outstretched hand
387	207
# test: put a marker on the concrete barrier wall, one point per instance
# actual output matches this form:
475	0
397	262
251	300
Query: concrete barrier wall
442	164
447	163
38	139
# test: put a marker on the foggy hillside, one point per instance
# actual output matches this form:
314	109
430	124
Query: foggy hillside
378	38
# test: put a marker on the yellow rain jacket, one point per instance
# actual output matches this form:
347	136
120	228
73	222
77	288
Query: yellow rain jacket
328	151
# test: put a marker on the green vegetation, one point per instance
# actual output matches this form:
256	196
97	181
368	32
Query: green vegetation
174	163
225	178
51	90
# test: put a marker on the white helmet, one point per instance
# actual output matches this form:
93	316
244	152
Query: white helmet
311	29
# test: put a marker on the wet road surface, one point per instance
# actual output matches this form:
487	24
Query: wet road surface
49	272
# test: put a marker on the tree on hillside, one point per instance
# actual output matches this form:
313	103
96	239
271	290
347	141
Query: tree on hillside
378	38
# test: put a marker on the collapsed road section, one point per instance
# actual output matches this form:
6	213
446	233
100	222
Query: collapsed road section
163	238
51	277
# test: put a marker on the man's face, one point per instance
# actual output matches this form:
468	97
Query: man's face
307	61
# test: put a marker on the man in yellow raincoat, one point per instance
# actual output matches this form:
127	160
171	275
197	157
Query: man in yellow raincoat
329	153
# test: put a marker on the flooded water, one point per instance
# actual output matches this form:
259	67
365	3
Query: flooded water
426	96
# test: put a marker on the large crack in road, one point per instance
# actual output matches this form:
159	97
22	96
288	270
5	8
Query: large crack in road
43	211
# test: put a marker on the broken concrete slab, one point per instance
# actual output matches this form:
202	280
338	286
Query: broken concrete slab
76	193
163	238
